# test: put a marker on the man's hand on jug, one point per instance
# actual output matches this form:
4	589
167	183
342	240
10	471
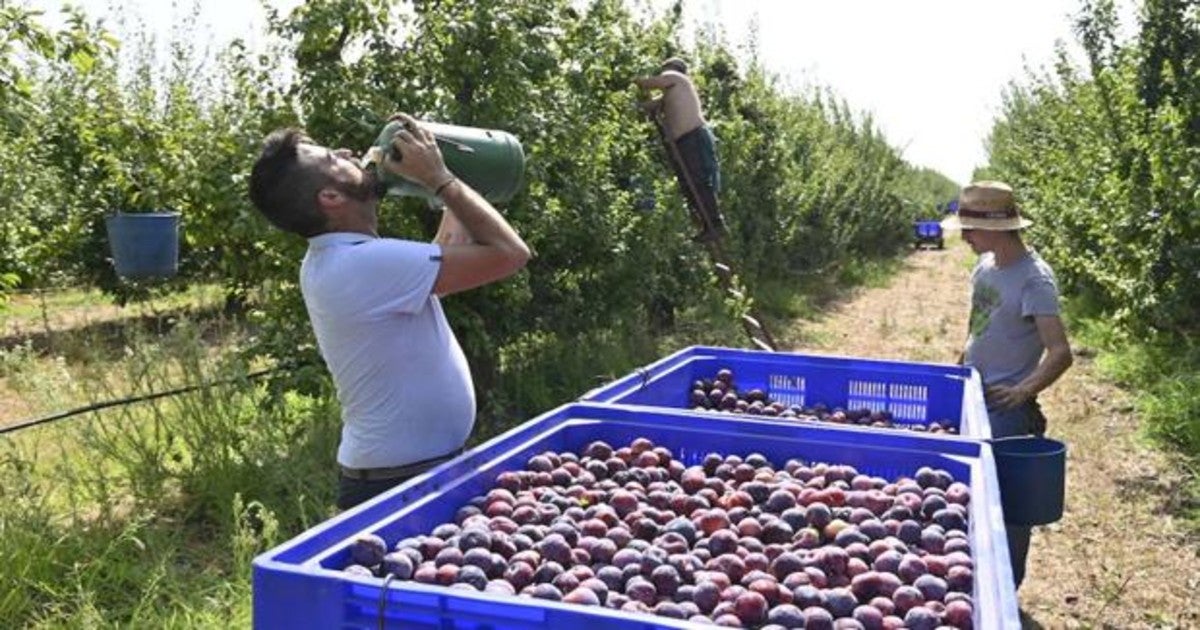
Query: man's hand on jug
420	158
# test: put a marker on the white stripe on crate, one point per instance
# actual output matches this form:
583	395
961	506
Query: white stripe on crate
788	390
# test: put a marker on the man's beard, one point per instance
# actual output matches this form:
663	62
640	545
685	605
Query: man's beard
367	189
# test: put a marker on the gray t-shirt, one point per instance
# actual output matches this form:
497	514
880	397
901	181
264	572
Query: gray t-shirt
402	379
1004	344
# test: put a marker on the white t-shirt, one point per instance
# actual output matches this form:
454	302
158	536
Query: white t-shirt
401	377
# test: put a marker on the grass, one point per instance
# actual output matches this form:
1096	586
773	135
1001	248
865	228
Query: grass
1163	372
31	310
149	514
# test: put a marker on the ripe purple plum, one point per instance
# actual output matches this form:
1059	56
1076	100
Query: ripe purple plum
583	596
750	607
786	615
368	550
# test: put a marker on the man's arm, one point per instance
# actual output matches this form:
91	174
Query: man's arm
657	82
451	231
1054	363
497	251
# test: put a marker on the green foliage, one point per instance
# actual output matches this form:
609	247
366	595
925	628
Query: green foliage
926	192
808	184
1107	162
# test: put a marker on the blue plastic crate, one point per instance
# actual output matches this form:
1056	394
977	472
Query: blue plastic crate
299	584
915	393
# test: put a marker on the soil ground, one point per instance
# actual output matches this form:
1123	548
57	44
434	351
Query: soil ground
1119	558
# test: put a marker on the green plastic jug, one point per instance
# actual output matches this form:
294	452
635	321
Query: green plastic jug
490	161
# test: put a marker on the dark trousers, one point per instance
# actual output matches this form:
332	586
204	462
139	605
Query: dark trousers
697	150
1027	419
367	484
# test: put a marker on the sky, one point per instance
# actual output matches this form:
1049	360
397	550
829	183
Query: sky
930	72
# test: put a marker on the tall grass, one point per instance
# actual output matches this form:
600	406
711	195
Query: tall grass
1163	373
149	514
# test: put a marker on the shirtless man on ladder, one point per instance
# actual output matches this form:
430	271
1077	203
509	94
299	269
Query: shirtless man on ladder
683	126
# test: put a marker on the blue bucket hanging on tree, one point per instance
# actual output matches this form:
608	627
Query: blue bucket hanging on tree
144	244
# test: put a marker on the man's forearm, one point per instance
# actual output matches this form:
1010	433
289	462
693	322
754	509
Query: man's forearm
1053	365
482	222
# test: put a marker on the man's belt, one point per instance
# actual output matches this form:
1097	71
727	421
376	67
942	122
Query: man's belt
394	472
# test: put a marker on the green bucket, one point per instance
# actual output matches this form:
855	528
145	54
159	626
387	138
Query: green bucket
490	161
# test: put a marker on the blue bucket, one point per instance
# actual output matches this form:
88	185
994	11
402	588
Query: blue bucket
1032	472
144	245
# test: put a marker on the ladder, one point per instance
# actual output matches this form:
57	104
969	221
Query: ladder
751	322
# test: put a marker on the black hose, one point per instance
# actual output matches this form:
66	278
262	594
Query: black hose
133	399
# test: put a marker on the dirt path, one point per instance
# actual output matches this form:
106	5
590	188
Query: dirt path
1117	559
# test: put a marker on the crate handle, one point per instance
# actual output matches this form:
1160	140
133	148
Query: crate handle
383	601
645	374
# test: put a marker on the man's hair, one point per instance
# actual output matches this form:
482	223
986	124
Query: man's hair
676	64
283	189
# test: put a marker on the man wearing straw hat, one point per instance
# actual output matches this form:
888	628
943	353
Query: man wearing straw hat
1016	339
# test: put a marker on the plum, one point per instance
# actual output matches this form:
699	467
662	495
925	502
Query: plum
447	574
884	605
870	617
554	547
750	607
358	569
907	597
956	544
818	515
950	519
806	596
399	564
565	582
910	532
816	618
519	575
472	575
816	577
669	609
546	591
368	549
426	574
840	602
932	588
911	568
921	618
786	564
583	596
706	596
786	615
547	572
959	614
451	555
478	557
666	580
960	578
867	585
641	590
780	501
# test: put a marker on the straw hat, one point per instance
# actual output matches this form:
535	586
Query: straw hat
987	206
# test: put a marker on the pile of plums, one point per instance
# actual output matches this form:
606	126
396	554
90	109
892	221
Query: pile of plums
722	394
732	541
